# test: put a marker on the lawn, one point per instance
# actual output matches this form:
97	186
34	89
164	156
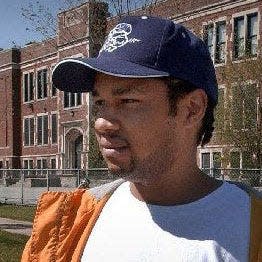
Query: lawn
24	213
11	246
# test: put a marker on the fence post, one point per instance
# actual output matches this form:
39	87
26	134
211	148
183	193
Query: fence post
47	180
22	177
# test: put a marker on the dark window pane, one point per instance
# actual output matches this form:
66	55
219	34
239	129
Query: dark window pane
39	130
79	96
53	163
26	98
39	164
44	164
32	133
220	42
31	86
239	34
252	31
54	90
66	99
72	99
208	38
206	162
54	128
45	129
26	131
44	75
39	85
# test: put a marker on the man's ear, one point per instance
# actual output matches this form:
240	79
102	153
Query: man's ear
194	106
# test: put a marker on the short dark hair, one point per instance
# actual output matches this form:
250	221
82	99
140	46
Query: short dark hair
178	89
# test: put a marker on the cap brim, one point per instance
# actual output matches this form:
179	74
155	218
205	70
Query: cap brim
78	74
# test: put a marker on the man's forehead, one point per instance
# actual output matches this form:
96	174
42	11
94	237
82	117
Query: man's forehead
124	86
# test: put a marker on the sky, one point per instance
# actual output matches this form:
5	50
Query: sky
13	25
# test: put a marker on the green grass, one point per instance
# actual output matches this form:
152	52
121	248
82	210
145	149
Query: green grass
24	213
11	246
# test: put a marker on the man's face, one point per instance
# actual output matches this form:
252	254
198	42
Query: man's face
135	133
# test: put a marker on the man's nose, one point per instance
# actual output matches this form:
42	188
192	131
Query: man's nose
103	125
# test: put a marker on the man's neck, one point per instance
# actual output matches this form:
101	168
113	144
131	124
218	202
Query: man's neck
176	189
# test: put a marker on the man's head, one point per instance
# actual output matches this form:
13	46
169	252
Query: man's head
170	76
143	130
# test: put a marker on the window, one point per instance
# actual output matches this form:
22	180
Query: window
209	39
215	39
72	99
42	130
245	35
205	162
54	128
29	135
53	163
211	161
28	164
42	84
244	106
28	84
220	42
41	163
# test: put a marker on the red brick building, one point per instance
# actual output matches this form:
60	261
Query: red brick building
43	127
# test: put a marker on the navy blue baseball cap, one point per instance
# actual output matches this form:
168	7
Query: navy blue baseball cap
143	47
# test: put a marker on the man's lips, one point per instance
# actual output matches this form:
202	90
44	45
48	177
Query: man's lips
114	151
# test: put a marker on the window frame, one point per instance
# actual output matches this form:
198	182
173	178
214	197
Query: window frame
245	15
70	106
28	73
37	87
43	133
29	139
214	25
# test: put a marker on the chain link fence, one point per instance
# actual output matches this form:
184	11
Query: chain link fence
24	186
251	177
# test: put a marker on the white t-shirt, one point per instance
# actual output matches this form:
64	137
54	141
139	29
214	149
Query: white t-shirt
214	228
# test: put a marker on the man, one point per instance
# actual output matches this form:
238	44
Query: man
154	92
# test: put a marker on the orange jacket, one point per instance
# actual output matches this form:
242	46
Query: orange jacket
64	221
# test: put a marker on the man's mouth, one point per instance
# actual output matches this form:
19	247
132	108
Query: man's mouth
114	151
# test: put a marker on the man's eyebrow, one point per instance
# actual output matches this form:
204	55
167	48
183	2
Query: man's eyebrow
123	91
127	90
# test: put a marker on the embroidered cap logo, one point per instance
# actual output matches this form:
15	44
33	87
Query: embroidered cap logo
118	37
